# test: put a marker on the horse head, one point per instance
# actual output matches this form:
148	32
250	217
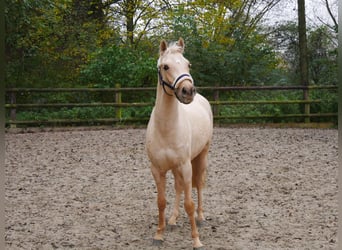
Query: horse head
174	71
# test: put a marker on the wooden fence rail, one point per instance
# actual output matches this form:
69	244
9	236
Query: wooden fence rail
14	104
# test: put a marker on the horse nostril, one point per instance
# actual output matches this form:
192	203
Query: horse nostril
184	91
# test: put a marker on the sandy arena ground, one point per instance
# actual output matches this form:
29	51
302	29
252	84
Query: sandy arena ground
266	189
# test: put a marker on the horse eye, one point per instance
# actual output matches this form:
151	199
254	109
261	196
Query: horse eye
190	65
166	67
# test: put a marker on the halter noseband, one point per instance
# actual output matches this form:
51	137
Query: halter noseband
173	86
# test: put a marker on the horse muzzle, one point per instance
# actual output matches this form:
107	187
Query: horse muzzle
185	91
183	87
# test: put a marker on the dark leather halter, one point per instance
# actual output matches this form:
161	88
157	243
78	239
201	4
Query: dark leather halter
173	86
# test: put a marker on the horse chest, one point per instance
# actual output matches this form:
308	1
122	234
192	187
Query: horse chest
167	156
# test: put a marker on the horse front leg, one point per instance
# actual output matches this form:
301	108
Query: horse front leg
178	191
189	205
160	179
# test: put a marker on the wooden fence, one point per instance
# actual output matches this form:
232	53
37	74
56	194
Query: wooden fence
14	105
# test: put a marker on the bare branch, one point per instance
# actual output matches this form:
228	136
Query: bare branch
335	28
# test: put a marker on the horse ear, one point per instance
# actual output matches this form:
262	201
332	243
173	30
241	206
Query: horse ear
162	47
181	44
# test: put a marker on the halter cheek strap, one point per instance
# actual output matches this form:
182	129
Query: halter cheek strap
163	83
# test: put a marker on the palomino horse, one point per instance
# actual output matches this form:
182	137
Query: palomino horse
178	137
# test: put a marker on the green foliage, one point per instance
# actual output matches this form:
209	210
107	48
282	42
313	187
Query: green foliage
111	65
68	113
322	52
329	101
322	56
262	109
47	41
252	62
84	113
228	53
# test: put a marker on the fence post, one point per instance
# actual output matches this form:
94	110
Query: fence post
306	105
118	113
216	108
13	112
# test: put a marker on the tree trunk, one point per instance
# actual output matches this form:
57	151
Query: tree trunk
130	10
303	55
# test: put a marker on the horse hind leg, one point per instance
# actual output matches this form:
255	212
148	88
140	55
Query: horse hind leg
199	170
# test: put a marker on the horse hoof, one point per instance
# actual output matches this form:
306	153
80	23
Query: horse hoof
172	226
200	223
157	243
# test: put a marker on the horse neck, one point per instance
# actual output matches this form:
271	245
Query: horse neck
166	109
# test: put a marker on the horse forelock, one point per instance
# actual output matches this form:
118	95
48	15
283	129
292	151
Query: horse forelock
173	48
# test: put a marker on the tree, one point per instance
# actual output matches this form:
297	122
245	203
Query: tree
47	41
322	54
231	48
229	21
116	64
334	26
137	18
23	19
303	54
